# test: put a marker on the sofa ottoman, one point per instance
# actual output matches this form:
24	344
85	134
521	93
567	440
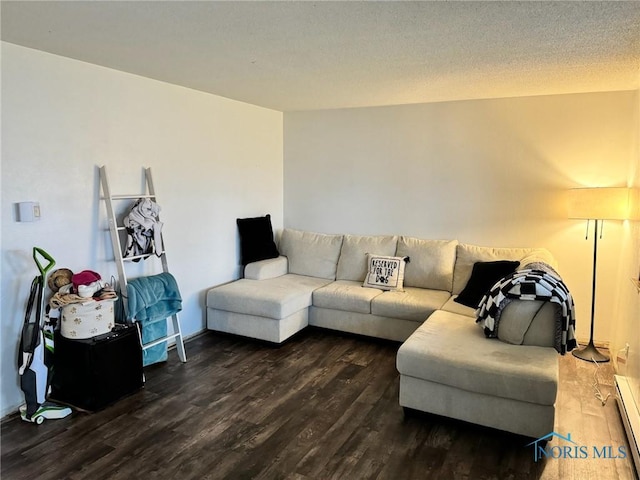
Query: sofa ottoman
272	309
448	367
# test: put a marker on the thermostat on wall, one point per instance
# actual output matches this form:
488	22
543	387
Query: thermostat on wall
28	211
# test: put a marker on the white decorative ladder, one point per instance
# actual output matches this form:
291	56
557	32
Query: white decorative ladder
114	229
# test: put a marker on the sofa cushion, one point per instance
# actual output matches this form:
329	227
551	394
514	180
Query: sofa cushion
273	298
385	273
483	277
431	264
411	304
256	239
352	264
345	295
455	307
467	255
451	350
311	254
538	255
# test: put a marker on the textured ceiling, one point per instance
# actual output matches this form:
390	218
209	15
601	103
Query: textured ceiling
316	55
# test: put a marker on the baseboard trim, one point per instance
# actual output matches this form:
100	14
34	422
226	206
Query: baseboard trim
630	413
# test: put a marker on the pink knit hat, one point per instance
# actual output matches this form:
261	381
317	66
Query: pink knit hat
85	277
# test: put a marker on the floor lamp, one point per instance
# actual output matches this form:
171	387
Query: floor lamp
597	204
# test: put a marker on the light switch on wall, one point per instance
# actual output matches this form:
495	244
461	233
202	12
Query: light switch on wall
28	211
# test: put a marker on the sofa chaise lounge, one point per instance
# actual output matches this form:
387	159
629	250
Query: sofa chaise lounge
446	365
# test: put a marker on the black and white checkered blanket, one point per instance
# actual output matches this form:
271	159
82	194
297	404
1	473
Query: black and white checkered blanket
538	281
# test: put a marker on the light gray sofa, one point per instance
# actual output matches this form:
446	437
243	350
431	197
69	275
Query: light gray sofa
446	364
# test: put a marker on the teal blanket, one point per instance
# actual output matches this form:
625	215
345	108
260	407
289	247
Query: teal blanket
150	332
151	300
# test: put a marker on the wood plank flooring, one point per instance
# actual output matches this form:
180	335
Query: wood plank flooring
322	406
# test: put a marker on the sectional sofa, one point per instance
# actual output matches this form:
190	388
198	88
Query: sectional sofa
447	366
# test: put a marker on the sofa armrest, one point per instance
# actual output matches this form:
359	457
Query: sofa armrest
270	268
529	322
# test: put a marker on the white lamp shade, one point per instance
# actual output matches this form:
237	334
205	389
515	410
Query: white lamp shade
603	203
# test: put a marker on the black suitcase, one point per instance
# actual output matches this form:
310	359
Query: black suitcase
94	373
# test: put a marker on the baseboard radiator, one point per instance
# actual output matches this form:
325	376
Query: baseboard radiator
630	413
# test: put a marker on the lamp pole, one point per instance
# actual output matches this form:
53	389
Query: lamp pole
590	352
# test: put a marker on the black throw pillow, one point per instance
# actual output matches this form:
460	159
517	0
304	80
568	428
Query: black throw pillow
484	276
256	239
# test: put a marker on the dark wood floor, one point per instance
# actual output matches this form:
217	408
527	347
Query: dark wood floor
322	406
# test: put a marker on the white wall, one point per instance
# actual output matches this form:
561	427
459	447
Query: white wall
487	172
213	160
626	318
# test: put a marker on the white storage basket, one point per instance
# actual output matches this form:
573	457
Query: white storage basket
87	319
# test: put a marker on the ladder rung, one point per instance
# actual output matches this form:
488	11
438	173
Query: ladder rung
137	257
159	341
131	197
